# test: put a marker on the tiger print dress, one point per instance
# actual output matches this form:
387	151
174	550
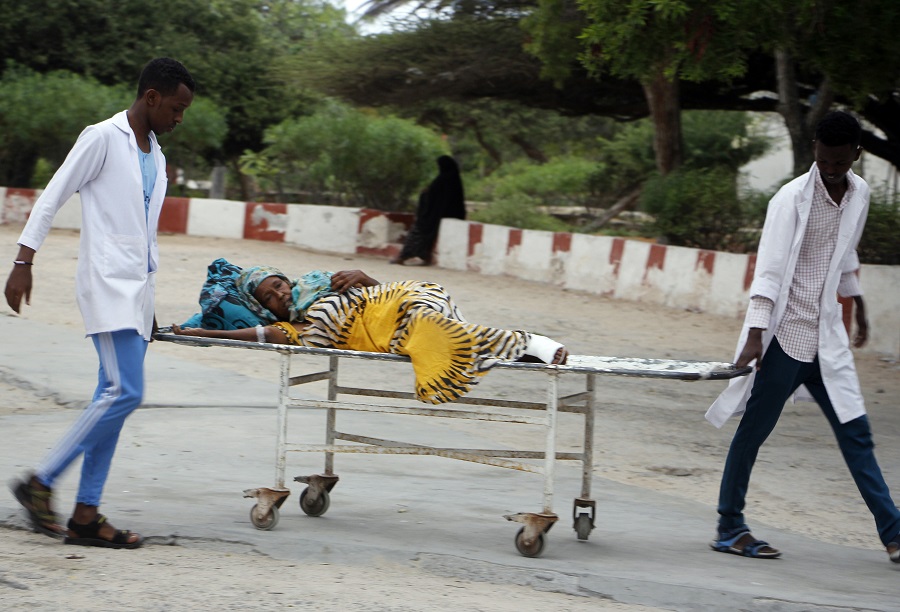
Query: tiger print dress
412	318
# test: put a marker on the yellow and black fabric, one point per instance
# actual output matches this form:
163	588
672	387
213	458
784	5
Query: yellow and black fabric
417	319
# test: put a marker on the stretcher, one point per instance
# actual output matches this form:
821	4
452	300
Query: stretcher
530	539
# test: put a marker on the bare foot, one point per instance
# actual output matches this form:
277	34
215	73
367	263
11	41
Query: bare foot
561	356
542	349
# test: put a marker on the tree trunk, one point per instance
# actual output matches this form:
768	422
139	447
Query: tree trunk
491	150
665	111
800	122
529	149
20	169
248	192
626	202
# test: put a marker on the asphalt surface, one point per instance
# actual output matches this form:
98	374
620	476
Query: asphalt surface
205	435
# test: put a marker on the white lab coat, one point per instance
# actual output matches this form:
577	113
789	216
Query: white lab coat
779	249
118	256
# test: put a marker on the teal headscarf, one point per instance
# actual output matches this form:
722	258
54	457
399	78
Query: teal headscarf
304	290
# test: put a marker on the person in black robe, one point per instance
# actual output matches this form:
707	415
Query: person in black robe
442	198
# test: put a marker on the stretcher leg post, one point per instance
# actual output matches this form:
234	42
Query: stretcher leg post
584	509
550	447
331	413
283	401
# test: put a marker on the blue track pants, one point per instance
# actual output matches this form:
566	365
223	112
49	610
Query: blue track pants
120	388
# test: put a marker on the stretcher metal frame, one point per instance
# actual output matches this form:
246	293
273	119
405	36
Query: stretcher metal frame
530	539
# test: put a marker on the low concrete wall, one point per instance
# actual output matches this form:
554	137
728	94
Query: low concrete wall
678	277
332	229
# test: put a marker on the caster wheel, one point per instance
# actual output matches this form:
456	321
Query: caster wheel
583	526
318	508
536	548
266	524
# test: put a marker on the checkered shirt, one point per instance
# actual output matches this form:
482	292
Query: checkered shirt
798	330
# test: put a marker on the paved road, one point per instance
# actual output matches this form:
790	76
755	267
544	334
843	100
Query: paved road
205	436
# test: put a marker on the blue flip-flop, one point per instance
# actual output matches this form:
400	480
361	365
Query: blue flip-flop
749	546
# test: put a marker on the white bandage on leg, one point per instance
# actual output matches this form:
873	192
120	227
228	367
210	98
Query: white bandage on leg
543	348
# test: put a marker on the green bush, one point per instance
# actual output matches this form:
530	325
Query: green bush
195	141
379	162
561	181
712	139
41	116
879	243
721	138
43	172
696	208
518	211
626	160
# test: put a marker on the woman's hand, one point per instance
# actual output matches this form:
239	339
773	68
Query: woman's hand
188	331
176	329
347	279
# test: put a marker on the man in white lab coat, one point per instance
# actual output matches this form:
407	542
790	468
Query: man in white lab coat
120	173
794	332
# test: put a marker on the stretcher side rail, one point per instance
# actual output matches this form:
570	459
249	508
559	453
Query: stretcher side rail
314	500
587	364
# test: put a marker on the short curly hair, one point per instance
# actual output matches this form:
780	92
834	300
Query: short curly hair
164	75
837	129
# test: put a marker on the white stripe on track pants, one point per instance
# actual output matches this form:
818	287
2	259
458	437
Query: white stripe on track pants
120	388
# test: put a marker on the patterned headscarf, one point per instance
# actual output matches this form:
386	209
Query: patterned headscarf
304	290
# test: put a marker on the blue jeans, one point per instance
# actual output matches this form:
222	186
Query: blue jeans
777	379
120	388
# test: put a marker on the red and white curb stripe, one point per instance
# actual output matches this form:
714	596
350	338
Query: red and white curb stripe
678	277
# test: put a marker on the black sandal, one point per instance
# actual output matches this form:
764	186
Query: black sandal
37	504
89	535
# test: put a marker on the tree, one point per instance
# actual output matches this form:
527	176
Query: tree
379	161
828	51
196	141
232	47
659	43
41	115
445	59
439	61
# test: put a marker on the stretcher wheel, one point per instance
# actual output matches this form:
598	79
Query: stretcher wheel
583	526
318	508
536	548
266	524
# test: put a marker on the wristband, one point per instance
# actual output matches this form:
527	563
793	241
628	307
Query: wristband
21	262
260	334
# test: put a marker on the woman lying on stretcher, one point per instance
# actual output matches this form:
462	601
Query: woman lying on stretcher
351	310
